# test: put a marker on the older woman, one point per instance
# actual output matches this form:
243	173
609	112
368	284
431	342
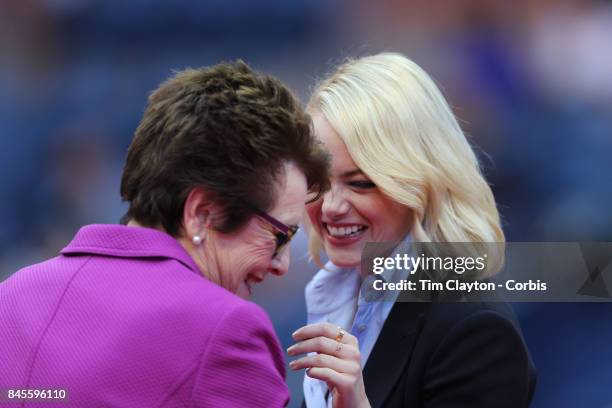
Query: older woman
150	313
402	171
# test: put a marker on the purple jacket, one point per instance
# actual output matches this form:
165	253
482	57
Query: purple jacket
124	318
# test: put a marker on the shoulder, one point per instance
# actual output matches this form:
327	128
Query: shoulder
38	287
243	364
238	315
447	327
455	352
448	315
206	298
472	341
243	327
437	320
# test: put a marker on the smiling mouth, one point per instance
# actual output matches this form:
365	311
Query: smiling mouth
346	231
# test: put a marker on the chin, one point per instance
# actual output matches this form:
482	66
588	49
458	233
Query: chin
346	265
344	255
243	292
343	260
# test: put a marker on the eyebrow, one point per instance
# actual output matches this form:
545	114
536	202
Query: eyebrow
351	173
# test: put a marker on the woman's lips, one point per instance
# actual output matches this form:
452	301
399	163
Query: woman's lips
343	234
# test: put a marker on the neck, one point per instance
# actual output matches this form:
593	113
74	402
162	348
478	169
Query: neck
199	253
134	223
362	274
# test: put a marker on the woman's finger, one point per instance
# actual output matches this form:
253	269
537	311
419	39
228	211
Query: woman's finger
325	361
326	330
325	345
331	377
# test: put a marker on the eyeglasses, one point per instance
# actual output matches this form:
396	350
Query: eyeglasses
282	233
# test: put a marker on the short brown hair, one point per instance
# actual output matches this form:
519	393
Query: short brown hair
225	128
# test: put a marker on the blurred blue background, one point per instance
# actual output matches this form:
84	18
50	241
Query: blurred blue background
531	82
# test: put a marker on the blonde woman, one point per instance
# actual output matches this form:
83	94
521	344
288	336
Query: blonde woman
402	171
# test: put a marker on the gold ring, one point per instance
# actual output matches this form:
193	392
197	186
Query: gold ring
338	347
340	335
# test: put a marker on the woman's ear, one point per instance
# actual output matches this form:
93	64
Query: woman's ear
200	211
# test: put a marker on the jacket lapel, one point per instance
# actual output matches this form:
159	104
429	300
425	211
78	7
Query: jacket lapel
393	349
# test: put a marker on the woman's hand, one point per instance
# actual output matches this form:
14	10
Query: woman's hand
337	362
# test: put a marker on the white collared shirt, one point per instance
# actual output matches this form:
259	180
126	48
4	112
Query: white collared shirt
337	295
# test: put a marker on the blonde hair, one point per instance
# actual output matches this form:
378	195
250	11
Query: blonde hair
401	132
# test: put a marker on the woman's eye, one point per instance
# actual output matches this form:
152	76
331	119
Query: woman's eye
363	184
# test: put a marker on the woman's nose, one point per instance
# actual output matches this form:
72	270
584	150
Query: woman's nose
280	263
334	204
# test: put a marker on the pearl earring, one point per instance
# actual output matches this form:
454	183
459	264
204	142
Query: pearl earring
197	240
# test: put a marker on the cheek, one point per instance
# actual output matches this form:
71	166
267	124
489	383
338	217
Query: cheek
248	252
394	222
258	249
388	220
248	260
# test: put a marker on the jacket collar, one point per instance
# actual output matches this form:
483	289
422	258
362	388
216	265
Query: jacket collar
128	242
331	288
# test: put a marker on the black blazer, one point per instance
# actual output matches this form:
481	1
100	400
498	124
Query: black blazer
450	355
455	355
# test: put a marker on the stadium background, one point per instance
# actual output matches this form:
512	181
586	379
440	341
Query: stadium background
531	82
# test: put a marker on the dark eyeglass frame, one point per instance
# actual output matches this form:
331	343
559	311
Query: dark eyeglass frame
282	233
